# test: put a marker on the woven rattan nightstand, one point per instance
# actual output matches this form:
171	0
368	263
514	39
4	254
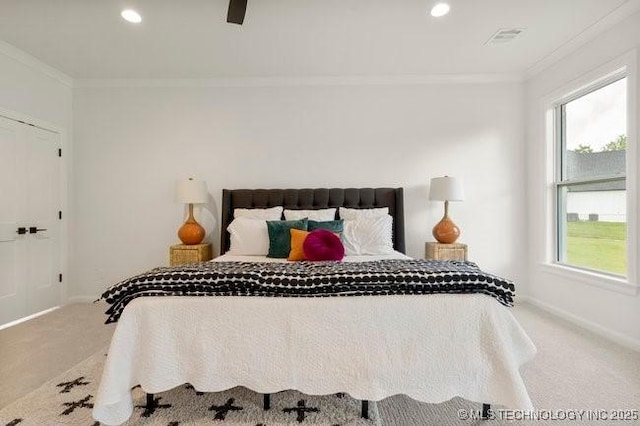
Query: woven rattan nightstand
181	254
438	251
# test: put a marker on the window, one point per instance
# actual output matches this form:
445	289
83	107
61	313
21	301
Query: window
590	183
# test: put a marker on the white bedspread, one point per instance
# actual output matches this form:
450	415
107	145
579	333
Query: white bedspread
431	348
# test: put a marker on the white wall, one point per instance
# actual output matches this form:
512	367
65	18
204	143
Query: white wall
33	89
133	143
584	300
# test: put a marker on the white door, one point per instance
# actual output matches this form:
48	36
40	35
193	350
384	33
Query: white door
13	247
30	243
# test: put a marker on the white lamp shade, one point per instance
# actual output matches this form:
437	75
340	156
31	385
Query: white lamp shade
446	188
192	191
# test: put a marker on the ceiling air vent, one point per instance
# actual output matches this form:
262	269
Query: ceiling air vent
504	35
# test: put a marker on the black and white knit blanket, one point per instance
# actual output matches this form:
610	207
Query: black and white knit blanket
309	279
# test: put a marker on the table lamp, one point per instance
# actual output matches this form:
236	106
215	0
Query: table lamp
446	189
191	192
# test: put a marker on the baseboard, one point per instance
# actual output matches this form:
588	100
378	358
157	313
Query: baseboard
21	320
82	299
605	332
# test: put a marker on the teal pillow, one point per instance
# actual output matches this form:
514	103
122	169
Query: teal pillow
280	235
330	225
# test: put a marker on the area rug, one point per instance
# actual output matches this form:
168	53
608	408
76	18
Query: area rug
68	400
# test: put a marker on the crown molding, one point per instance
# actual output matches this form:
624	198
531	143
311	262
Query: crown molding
34	63
301	81
603	24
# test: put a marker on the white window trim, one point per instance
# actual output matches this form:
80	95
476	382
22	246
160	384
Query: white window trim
558	182
624	65
592	278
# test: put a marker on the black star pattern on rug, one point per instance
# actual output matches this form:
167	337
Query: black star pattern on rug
14	422
340	394
301	409
190	386
71	406
148	411
223	410
67	386
173	424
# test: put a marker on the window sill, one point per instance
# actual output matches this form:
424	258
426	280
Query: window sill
607	282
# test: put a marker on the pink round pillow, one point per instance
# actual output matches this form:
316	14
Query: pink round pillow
323	244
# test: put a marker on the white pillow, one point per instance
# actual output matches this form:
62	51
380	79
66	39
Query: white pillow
353	214
273	213
249	237
368	235
320	215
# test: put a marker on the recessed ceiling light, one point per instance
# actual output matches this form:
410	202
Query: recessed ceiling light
440	9
131	15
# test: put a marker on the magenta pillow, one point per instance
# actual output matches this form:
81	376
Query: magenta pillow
323	244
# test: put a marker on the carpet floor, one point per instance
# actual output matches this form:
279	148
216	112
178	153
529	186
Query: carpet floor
68	400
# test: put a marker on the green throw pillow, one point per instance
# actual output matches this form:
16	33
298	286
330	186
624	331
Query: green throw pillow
330	225
280	235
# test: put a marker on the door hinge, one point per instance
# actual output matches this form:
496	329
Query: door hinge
59	152
59	277
60	214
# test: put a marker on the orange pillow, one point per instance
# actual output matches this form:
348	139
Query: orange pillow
297	241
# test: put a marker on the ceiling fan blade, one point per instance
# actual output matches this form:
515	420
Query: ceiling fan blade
237	9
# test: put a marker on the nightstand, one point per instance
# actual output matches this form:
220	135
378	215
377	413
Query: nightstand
438	251
181	254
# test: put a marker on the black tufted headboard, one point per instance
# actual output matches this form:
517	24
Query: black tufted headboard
314	198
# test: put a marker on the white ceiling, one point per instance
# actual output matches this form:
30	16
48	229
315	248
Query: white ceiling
298	38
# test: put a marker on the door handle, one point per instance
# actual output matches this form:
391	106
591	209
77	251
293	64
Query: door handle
34	229
22	230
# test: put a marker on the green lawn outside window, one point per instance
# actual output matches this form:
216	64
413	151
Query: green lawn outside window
598	245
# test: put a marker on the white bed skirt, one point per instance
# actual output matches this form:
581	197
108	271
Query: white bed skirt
431	348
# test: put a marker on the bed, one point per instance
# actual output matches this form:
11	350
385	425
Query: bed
431	348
